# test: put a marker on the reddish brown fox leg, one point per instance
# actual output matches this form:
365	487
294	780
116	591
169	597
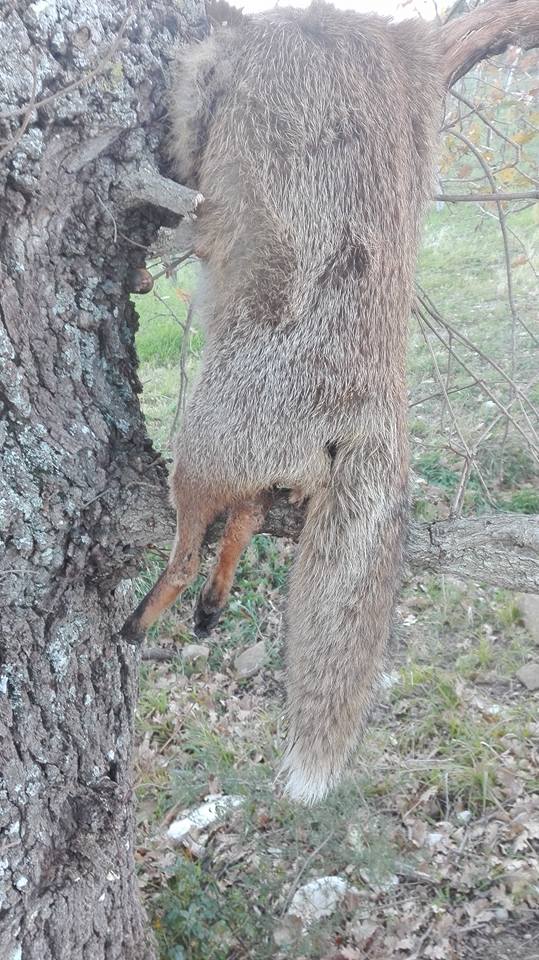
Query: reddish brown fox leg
180	571
243	521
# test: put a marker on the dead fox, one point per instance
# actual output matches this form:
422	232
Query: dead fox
310	135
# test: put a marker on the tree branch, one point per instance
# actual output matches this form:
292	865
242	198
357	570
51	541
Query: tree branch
146	185
487	197
488	30
500	549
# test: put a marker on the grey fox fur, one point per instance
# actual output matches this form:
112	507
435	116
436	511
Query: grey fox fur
310	135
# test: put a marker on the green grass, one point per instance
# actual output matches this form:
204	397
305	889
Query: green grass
462	267
162	318
440	743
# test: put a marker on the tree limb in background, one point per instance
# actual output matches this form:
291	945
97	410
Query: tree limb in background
501	549
488	30
505	197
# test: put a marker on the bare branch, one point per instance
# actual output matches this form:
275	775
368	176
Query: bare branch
488	123
487	197
146	185
534	450
487	31
468	454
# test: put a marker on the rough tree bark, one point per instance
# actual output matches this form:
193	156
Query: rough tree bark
82	491
72	439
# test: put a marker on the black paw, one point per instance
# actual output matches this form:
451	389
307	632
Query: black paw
131	632
205	620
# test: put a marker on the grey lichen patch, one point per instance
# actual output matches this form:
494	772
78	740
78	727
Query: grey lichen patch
12	684
13	505
65	302
39	454
15	389
61	647
44	13
52	557
24	174
15	49
59	655
6	346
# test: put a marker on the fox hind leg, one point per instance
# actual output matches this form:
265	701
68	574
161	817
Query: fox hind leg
243	521
195	513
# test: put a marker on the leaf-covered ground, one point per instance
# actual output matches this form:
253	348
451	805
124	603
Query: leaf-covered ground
436	829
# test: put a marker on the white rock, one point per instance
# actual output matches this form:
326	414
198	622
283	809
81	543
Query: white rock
464	816
434	839
529	676
319	898
388	680
216	808
529	607
250	661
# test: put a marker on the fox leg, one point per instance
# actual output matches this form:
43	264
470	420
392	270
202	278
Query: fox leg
243	521
196	510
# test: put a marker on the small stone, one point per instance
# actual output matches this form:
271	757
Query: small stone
251	660
528	604
434	839
196	654
388	680
529	676
216	808
464	816
319	898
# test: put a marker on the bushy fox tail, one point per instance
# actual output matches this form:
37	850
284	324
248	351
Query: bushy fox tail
341	601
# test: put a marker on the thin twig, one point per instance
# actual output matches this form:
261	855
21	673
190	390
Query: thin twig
184	378
172	265
533	449
11	143
499	133
434	396
458	499
452	331
469	456
85	78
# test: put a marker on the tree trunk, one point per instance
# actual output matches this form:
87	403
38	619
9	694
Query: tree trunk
72	439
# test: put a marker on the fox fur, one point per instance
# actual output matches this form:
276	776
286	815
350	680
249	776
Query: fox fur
310	135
